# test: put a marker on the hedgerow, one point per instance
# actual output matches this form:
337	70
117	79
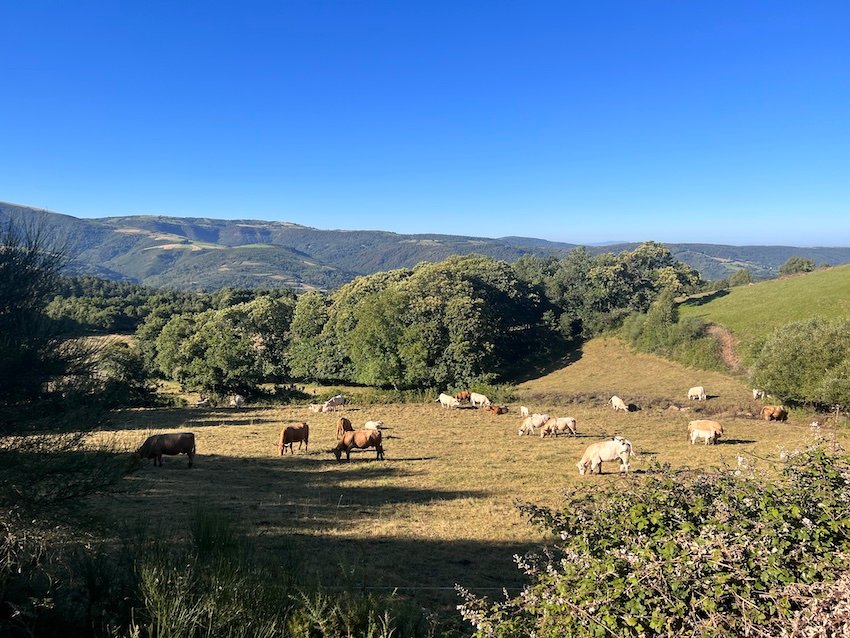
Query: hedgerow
681	553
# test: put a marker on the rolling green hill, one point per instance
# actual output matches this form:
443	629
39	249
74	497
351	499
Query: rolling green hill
752	312
202	253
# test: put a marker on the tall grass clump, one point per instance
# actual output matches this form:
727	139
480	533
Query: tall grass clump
729	553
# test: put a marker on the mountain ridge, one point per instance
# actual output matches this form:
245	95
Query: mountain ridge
208	253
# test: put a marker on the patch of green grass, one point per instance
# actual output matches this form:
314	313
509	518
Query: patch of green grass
753	312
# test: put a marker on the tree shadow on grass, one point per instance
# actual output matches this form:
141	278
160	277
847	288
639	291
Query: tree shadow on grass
529	371
187	418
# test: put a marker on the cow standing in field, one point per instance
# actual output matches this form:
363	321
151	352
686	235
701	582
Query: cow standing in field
697	393
448	401
618	404
169	444
773	413
343	425
617	449
333	403
758	393
237	401
462	396
561	425
704	429
290	434
360	439
479	399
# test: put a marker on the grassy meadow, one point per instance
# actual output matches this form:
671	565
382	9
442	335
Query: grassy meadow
752	312
441	509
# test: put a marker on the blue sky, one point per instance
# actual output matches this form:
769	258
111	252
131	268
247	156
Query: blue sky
720	122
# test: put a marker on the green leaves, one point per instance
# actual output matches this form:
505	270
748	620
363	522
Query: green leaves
687	555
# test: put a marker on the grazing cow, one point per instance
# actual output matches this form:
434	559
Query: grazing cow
758	394
773	413
343	425
697	392
315	407
463	395
479	399
704	429
558	426
498	409
290	434
237	401
333	403
158	444
531	422
523	411
618	404
361	439
373	425
448	401
615	449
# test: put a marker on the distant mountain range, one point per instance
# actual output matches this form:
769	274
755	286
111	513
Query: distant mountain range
200	253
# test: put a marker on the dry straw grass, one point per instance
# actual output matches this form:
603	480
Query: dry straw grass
441	509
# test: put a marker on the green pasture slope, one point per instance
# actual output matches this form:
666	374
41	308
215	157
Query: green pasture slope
753	312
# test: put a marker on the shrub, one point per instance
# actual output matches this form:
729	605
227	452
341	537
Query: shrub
682	554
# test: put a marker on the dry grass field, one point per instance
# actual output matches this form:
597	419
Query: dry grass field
441	509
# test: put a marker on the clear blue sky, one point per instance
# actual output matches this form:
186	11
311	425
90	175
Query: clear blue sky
723	122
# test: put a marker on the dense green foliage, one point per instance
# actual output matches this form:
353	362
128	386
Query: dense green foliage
797	264
806	362
597	292
682	554
661	332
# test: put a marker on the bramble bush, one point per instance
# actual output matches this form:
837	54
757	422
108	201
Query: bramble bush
682	553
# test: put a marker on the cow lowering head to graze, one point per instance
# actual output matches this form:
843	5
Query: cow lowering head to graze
463	395
373	425
448	401
333	403
531	422
315	407
697	393
523	411
561	425
343	425
299	432
704	429
758	394
360	439
773	413
614	449
479	399
169	444
618	404
237	401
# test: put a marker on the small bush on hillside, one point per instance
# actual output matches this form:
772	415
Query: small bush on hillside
796	265
682	554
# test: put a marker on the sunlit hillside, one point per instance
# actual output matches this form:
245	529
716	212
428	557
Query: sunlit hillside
754	311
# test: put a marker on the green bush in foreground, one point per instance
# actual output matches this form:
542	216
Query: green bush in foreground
684	554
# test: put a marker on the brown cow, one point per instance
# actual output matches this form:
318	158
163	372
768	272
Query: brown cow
773	413
498	409
158	444
359	439
296	432
343	425
463	395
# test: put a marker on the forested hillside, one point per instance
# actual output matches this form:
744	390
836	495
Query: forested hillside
207	254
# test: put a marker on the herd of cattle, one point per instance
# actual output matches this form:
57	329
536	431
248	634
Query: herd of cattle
615	449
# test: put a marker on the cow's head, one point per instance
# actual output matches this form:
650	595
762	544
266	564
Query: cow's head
338	451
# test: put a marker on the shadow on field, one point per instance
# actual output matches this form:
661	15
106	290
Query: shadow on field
531	371
704	298
734	441
185	418
345	522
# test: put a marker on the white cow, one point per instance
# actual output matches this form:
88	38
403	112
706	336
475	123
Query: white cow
558	426
758	394
697	392
531	422
479	399
448	401
618	404
523	411
333	403
237	401
615	449
704	429
373	425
